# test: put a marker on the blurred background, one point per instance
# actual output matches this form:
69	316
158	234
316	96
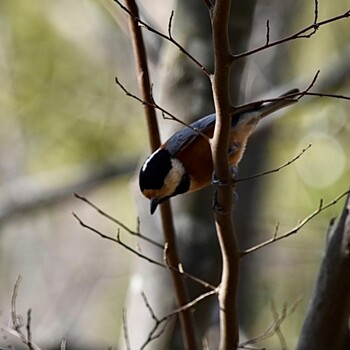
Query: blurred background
67	127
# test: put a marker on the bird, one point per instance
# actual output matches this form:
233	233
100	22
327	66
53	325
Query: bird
184	162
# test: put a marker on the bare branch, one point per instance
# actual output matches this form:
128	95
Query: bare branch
293	95
156	332
306	32
140	255
14	317
310	85
28	328
165	37
125	328
164	112
119	223
159	325
321	94
117	240
276	318
276	324
296	229
180	288
17	323
316	15
170	23
229	334
267	32
276	169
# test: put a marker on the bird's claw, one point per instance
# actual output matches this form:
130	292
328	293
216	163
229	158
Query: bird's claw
234	172
217	207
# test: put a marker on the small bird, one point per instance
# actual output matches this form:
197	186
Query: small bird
184	162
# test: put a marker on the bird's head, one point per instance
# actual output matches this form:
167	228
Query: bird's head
161	177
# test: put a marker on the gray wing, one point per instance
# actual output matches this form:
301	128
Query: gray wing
185	136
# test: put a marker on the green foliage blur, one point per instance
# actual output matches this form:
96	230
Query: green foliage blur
60	104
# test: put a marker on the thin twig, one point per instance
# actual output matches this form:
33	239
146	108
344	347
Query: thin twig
267	32
303	93
306	32
28	328
296	228
16	321
276	318
192	303
316	15
159	326
321	94
156	332
170	23
14	317
142	256
126	332
271	330
165	37
166	114
117	240
275	169
136	233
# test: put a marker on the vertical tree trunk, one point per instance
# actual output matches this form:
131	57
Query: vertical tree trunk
326	324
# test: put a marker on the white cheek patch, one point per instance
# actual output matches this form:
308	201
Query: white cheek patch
174	176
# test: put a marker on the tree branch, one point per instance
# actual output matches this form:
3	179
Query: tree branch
304	33
136	233
181	294
276	324
136	19
223	198
156	332
295	229
251	177
15	329
142	256
165	114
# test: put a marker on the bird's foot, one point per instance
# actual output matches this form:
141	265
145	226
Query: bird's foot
234	172
217	207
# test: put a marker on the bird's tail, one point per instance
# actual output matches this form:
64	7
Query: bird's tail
253	112
282	101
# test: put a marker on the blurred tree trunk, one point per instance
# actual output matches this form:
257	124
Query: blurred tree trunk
327	322
263	73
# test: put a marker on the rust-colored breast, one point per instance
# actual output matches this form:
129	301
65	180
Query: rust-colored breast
196	158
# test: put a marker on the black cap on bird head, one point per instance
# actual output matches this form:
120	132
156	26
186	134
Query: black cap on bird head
162	177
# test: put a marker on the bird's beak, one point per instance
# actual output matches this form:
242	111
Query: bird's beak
154	205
